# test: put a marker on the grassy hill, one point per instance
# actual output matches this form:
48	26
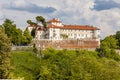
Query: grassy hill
64	65
25	65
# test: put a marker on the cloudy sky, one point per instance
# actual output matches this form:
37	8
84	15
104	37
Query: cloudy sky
104	14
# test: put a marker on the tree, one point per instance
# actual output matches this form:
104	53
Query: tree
110	42
9	27
118	37
107	48
30	22
39	19
26	37
42	20
17	39
4	54
15	34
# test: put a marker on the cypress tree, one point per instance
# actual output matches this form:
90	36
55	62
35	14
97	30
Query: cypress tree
5	49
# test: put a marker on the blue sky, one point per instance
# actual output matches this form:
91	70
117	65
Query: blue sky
104	14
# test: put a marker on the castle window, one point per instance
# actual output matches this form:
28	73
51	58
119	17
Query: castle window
82	35
86	35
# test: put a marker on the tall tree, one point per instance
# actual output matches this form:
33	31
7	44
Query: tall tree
31	23
26	37
9	27
39	19
118	37
110	42
12	32
107	48
42	20
4	54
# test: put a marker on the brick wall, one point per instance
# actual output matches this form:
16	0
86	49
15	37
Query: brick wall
68	44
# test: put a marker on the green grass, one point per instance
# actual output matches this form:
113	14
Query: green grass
25	64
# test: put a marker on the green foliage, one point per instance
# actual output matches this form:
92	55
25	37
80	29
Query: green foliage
12	32
42	20
107	48
9	28
26	65
35	50
77	65
17	39
64	36
15	34
30	22
118	37
26	37
109	42
4	55
38	19
65	65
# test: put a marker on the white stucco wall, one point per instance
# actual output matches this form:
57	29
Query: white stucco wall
39	34
77	34
54	33
57	24
30	28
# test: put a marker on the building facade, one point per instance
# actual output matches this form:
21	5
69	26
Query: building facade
56	30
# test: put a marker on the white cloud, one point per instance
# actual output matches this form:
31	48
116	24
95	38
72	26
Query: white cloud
118	1
2	16
70	12
20	3
107	21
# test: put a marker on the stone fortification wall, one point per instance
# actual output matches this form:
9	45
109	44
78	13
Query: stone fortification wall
67	44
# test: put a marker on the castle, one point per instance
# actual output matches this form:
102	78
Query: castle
67	36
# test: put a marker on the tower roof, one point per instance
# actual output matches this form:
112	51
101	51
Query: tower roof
54	20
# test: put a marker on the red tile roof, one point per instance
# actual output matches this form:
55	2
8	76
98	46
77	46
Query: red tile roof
78	27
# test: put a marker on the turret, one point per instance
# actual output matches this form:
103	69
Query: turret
55	21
